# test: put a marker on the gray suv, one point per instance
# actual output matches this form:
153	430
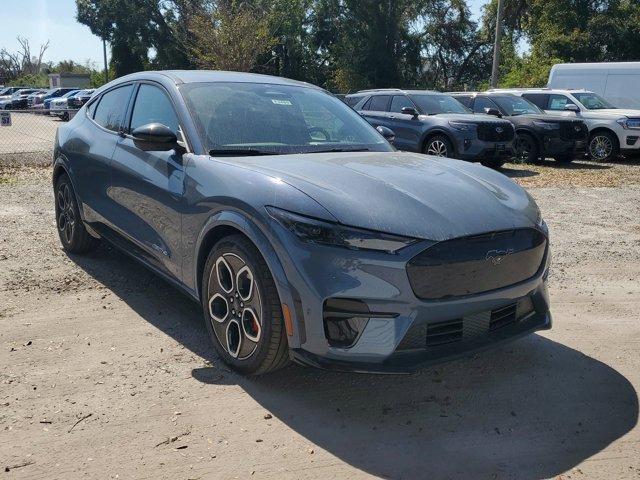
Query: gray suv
437	124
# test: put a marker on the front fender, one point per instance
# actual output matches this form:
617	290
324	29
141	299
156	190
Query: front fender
236	220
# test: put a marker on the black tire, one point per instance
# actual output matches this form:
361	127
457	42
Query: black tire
564	158
268	350
603	146
439	146
527	150
65	117
494	163
71	230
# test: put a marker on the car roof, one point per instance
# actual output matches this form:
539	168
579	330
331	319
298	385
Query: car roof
210	76
399	90
538	90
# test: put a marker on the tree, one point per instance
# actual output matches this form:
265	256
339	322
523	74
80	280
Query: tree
229	36
23	62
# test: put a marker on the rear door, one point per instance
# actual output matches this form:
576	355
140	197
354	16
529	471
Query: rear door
91	162
407	128
147	186
376	110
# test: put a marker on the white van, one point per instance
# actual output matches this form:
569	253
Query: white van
617	82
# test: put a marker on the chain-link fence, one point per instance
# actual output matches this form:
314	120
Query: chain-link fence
27	136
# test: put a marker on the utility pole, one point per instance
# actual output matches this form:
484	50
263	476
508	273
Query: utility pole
496	46
106	68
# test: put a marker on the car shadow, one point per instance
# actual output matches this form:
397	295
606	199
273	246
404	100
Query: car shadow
532	409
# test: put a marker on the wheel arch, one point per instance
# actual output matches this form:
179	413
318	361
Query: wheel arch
532	134
597	130
225	223
434	132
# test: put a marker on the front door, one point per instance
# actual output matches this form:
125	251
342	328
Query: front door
147	187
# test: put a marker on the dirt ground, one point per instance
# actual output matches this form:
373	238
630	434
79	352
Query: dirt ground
106	371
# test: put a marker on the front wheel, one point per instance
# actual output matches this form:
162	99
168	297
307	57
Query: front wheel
242	308
526	148
439	146
603	146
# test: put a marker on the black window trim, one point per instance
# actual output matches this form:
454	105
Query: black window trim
132	102
405	96
99	99
386	110
490	100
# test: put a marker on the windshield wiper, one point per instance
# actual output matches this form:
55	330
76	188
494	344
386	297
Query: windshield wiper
240	152
338	149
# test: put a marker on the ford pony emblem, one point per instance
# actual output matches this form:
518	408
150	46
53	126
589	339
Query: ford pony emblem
496	256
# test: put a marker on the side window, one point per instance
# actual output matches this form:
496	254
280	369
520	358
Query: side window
464	99
367	104
153	106
557	102
398	102
111	108
481	103
540	100
379	103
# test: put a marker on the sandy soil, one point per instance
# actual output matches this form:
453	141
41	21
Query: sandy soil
105	370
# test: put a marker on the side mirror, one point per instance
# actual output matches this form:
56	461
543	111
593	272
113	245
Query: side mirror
388	134
409	111
493	111
154	137
570	107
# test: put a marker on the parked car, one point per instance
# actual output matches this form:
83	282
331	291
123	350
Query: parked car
611	130
36	99
437	124
616	82
77	101
57	107
6	92
299	229
18	100
538	134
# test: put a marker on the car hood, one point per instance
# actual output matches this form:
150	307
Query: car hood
403	193
470	117
543	117
612	112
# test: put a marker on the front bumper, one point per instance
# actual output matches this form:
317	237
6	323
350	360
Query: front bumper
317	273
472	149
556	146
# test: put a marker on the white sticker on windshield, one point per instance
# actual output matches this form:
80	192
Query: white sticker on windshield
281	102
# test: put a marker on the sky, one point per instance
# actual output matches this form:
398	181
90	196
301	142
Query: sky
55	20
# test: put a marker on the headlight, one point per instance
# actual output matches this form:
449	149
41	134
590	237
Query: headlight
629	123
312	230
463	126
547	125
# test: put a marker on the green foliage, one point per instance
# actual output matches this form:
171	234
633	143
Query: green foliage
345	45
39	80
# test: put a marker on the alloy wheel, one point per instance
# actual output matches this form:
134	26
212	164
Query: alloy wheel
235	308
437	148
600	147
66	216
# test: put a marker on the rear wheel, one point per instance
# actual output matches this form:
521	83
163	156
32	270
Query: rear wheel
72	232
439	146
526	149
242	308
603	146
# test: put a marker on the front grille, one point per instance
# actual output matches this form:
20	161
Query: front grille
573	131
477	264
469	327
495	132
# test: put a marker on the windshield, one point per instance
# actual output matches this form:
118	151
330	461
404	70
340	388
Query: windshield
253	118
70	94
433	104
516	105
592	101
